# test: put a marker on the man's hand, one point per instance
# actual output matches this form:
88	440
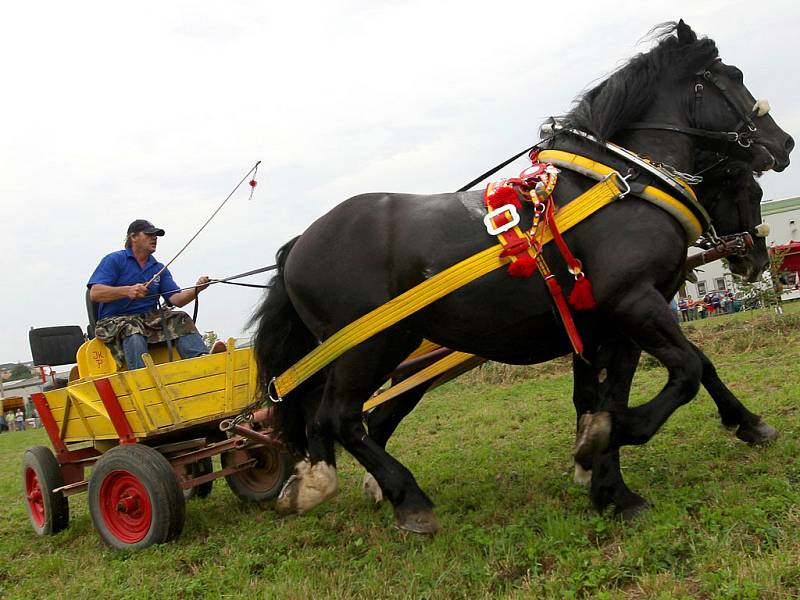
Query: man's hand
202	283
137	291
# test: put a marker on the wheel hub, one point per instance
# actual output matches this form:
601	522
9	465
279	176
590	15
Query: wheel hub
125	506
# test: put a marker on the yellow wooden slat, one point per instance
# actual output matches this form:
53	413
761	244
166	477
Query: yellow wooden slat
229	374
137	402
163	393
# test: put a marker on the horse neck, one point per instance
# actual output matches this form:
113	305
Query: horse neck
676	150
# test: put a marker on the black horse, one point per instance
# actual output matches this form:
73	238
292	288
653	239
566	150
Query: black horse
732	196
665	104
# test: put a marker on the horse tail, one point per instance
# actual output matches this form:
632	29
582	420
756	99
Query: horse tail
280	340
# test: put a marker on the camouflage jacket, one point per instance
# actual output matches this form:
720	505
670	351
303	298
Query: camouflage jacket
157	326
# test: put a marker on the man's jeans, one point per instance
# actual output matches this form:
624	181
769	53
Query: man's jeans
189	346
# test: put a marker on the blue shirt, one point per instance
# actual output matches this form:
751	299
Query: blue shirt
121	268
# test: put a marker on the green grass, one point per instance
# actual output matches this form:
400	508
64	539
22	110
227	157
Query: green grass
492	450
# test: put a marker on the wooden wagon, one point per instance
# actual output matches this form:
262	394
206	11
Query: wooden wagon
148	437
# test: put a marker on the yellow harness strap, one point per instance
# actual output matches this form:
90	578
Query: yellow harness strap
438	368
596	170
433	289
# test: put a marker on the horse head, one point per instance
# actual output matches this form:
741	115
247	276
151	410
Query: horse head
727	117
732	196
680	98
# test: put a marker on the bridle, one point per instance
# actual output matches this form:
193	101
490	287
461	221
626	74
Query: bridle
743	133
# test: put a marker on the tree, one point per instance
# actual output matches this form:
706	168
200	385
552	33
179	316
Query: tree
209	337
20	371
766	291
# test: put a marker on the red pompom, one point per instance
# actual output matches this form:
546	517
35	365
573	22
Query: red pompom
253	183
502	196
524	266
581	297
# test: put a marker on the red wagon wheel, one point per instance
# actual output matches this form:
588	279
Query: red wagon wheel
135	498
41	474
263	481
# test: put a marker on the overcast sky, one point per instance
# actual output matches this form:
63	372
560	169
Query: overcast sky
115	111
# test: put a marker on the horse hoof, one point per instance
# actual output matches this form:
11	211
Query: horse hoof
582	477
371	489
594	436
419	521
286	504
310	486
760	433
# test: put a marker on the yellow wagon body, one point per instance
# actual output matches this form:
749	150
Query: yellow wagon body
157	399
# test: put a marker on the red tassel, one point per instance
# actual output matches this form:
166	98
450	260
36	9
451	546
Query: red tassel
253	183
502	196
581	297
524	266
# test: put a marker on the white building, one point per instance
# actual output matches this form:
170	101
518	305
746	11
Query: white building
783	217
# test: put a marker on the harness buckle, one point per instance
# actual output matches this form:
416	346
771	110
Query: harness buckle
624	179
270	388
490	227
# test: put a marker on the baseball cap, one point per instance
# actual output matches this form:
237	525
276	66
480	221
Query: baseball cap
144	226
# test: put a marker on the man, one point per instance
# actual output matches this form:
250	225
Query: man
683	306
129	318
20	419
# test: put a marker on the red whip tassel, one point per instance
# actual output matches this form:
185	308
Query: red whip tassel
581	297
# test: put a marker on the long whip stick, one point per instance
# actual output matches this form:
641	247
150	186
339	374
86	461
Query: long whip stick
254	169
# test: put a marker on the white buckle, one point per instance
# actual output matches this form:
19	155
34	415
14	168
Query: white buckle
491	229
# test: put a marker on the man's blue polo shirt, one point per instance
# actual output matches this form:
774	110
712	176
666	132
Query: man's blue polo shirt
121	268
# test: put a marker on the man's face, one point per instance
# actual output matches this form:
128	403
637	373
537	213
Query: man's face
144	242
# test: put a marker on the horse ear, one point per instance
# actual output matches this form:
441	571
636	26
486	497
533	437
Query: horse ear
685	33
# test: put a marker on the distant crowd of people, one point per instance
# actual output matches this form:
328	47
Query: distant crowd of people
15	421
713	303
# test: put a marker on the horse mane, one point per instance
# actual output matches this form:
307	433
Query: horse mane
621	98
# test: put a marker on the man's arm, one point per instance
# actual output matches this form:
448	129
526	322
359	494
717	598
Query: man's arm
108	293
184	297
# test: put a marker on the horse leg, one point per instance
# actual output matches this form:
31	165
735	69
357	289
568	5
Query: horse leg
649	322
585	400
751	427
351	380
314	479
381	424
601	385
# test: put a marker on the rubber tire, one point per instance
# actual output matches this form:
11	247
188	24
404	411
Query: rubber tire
201	467
48	472
264	481
154	473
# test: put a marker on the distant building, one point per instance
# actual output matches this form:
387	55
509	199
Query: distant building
783	217
24	388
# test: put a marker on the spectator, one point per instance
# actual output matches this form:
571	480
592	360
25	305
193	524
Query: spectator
20	419
3	425
691	305
683	306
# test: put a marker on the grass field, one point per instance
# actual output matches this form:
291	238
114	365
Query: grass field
492	450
